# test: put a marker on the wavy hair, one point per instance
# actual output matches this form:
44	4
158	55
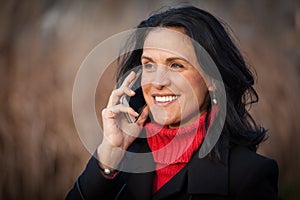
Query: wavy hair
212	35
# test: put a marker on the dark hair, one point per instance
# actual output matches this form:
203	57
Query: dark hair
209	32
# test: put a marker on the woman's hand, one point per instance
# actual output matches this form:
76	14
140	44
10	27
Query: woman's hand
118	133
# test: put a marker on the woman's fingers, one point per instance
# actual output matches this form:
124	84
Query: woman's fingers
128	79
123	90
117	93
111	112
143	116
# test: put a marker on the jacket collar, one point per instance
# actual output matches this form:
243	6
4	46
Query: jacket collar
139	185
200	176
207	176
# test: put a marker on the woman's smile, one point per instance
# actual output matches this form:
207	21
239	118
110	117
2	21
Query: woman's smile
165	99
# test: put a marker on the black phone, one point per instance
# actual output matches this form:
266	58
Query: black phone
137	102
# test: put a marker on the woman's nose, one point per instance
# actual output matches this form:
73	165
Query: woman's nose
161	77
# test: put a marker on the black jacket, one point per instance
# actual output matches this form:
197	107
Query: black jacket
240	174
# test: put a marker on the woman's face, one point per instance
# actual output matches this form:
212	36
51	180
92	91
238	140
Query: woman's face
172	83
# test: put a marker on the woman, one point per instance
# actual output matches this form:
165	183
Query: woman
182	102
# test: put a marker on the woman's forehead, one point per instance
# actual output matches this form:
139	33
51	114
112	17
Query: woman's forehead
170	40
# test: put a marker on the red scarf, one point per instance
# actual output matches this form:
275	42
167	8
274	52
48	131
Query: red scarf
173	148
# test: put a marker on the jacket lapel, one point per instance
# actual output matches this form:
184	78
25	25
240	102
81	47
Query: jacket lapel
139	185
175	185
207	176
200	176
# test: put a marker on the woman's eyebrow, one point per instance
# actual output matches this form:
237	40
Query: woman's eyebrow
168	59
147	58
176	58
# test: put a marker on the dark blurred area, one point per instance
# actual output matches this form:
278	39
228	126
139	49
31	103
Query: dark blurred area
43	43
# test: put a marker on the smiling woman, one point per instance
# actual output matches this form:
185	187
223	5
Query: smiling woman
183	102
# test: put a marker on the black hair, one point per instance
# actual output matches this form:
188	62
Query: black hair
212	35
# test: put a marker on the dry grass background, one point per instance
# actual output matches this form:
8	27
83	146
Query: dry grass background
42	44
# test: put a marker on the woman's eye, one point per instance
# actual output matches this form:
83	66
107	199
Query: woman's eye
148	66
176	66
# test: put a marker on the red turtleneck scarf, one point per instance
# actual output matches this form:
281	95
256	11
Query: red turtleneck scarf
173	148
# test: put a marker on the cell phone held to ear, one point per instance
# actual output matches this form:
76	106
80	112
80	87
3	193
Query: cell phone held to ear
137	102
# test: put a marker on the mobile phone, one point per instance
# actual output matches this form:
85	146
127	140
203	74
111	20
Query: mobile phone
137	102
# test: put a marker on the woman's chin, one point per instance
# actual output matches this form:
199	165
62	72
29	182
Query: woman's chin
164	121
159	120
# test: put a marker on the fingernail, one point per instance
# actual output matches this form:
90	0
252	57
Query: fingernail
136	114
132	92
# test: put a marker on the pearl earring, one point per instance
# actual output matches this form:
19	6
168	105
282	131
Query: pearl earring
214	99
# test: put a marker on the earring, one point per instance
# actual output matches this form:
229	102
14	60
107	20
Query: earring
214	99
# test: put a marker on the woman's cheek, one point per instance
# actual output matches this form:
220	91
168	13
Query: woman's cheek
146	93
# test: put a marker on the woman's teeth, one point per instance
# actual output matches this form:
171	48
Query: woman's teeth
163	99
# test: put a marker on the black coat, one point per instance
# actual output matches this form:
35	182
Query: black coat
240	174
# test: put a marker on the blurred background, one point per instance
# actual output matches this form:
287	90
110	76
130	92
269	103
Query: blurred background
43	43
